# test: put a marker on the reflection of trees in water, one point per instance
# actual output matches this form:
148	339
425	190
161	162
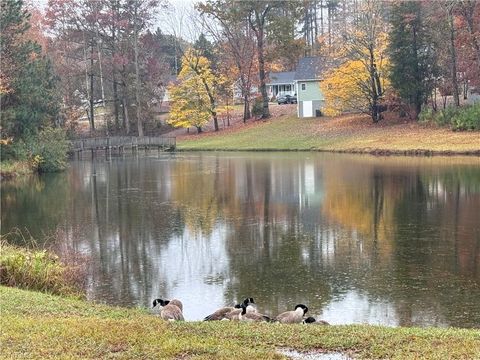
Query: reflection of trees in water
407	216
129	222
295	229
434	258
34	204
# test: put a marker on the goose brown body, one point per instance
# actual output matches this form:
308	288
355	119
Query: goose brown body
228	312
249	314
293	317
220	314
170	310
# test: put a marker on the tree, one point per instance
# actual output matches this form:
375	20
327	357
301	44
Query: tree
235	37
28	96
366	42
468	41
359	83
194	97
411	53
257	17
206	49
348	87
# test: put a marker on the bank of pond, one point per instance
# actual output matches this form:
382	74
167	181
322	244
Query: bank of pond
39	325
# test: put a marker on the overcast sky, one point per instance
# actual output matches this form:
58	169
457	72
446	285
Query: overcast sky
177	19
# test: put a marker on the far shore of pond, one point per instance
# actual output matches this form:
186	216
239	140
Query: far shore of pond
344	134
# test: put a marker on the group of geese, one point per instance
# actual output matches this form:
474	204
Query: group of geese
172	310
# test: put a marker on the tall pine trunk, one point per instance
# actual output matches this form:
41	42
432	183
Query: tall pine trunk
137	70
261	72
92	112
453	54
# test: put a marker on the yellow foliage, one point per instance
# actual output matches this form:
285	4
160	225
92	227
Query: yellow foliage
345	87
341	89
191	98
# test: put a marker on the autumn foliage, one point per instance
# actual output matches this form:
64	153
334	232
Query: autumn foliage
193	96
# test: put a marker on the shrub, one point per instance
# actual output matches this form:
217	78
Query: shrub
426	115
468	118
444	116
39	270
459	118
257	108
47	151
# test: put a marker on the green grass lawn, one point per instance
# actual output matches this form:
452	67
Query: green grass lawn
39	326
354	133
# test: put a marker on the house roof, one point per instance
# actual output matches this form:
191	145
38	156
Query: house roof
277	78
310	68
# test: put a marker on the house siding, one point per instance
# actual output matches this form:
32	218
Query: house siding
312	97
312	90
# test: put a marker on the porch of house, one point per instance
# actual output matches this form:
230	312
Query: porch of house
280	89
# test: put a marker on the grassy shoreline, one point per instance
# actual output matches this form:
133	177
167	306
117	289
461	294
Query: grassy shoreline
11	169
344	134
37	325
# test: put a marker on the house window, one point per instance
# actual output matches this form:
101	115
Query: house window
303	86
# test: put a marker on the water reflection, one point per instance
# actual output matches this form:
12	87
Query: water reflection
391	241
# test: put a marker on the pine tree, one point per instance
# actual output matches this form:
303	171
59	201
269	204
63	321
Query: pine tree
28	92
411	54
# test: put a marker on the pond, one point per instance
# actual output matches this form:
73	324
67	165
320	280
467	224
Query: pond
359	239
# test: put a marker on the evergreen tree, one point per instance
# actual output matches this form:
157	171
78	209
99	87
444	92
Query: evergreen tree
411	54
206	49
28	94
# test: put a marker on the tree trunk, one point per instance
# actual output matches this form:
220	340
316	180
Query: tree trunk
199	129
469	14
258	26
246	108
137	71
261	72
92	113
418	94
212	103
126	120
453	53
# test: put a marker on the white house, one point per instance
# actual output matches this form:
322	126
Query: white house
280	83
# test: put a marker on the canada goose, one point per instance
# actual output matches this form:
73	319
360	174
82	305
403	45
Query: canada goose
250	314
293	317
171	309
221	313
228	312
312	321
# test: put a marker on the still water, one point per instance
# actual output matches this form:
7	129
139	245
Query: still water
359	239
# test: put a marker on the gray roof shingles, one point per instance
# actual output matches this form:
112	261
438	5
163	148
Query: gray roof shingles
278	78
310	68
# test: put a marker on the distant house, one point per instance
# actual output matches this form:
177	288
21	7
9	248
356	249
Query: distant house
280	83
310	99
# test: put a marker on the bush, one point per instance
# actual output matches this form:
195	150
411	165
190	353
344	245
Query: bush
426	115
47	151
459	118
39	270
257	109
467	118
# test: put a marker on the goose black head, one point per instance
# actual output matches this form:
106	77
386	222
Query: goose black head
238	306
305	309
248	301
160	302
309	320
